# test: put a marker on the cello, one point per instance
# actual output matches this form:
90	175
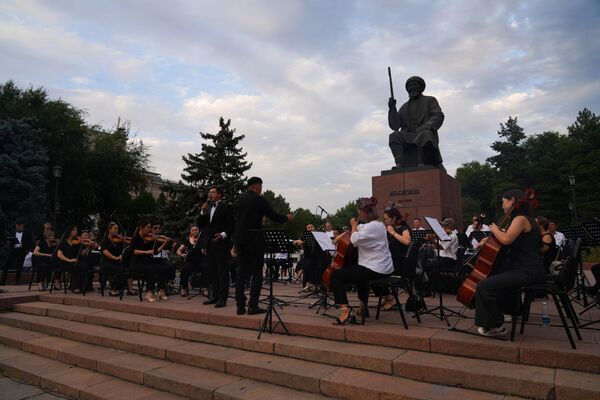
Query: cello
345	254
490	254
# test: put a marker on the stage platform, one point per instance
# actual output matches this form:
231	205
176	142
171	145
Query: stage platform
101	347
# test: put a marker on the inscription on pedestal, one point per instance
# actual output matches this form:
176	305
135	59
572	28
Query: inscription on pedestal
419	192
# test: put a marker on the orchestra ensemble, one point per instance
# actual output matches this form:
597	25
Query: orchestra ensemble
224	248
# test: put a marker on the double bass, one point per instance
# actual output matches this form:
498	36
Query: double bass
345	254
490	254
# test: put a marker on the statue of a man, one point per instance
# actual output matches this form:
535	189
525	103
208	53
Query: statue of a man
414	142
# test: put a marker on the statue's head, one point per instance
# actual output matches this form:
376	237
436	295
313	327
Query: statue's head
415	85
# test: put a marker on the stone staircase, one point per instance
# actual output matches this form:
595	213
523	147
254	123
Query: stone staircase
95	348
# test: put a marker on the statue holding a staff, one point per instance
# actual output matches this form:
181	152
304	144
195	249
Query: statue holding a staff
414	140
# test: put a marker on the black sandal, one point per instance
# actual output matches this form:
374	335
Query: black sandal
351	318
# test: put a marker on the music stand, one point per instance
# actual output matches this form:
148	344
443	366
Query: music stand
418	235
444	312
479	235
326	246
309	239
463	240
573	233
276	241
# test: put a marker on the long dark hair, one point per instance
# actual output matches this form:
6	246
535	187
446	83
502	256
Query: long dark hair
523	205
393	212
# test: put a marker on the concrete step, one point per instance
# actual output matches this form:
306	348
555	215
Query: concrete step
538	351
199	383
80	370
70	381
373	357
490	376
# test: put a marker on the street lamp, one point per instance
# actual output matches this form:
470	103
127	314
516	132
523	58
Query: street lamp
57	172
572	183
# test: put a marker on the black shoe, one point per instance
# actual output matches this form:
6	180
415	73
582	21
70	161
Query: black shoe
220	304
241	311
256	310
210	301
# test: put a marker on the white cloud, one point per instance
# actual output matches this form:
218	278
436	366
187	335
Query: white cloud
309	91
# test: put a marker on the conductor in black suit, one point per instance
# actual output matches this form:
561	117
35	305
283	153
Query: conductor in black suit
216	222
251	208
19	244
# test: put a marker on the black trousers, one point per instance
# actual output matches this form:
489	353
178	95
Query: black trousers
357	275
250	266
15	261
497	295
218	269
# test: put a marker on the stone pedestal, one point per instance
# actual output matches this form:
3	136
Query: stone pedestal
420	192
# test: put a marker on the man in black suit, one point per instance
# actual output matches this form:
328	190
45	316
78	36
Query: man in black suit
19	244
216	220
251	208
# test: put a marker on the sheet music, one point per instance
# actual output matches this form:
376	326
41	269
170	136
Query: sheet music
324	241
437	229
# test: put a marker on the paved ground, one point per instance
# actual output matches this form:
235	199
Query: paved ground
14	390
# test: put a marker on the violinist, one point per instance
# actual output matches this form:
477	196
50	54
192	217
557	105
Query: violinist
191	253
43	254
144	247
306	266
398	237
476	225
68	256
446	250
111	262
522	265
163	245
84	266
374	260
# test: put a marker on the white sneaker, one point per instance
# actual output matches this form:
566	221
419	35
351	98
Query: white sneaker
500	331
507	318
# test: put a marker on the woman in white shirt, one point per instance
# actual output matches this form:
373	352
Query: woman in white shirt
374	260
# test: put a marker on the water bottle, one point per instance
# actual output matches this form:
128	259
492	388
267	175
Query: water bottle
545	316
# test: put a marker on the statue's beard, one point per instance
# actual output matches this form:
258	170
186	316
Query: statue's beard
414	94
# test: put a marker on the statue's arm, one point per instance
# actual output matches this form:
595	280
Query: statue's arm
394	119
436	116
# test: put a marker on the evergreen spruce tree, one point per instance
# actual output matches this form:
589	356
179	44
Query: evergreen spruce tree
23	162
221	162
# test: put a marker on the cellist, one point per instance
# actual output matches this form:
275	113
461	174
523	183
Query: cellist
374	260
521	265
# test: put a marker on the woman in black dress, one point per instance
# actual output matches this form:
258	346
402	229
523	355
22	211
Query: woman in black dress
68	256
111	262
398	236
144	248
43	254
191	253
549	248
521	265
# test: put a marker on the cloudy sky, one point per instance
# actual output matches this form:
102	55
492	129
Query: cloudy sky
306	81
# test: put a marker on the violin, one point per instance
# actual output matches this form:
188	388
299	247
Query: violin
121	239
85	242
157	238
